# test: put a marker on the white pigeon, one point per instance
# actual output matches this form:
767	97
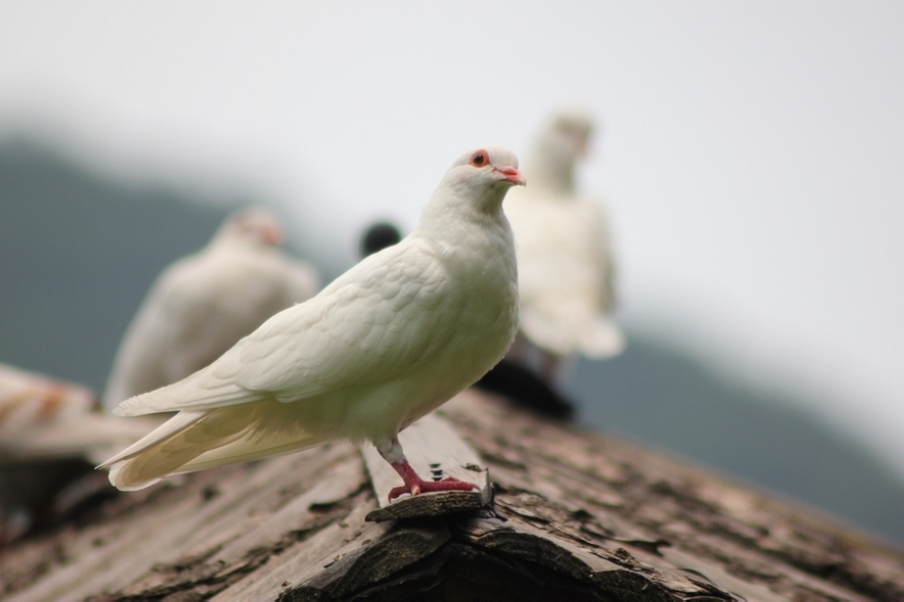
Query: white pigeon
203	304
42	419
385	343
565	262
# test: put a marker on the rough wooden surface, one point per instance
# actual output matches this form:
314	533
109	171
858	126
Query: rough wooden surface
440	503
605	492
429	443
578	517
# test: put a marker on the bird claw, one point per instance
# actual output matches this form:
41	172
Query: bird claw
420	486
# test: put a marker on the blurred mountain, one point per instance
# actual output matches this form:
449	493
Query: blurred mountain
79	252
77	255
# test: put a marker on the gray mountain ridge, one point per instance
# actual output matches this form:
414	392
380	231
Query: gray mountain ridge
78	252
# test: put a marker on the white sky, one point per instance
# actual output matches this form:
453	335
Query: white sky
753	154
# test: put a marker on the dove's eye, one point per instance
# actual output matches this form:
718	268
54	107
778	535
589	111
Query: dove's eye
479	159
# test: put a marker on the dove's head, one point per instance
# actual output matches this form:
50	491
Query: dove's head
568	133
253	226
482	176
564	139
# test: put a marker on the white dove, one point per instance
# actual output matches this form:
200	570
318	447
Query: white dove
564	251
388	341
42	419
203	304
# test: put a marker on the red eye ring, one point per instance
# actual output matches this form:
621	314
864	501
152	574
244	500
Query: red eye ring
480	158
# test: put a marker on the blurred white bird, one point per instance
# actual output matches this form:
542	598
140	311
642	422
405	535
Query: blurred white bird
202	304
49	432
41	418
565	264
388	341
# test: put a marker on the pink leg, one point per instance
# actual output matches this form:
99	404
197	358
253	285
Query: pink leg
391	451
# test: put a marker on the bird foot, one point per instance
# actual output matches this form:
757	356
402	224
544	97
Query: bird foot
417	486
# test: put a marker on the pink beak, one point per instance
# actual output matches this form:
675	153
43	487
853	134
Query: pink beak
513	175
273	236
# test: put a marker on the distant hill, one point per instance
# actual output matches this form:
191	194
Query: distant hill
78	253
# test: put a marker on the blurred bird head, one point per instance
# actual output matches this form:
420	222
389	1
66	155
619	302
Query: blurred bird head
564	139
569	133
254	226
378	236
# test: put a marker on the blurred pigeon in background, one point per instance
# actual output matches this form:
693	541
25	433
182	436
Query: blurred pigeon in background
385	343
202	304
49	432
565	264
42	418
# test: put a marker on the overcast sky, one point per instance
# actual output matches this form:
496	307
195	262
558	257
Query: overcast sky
752	155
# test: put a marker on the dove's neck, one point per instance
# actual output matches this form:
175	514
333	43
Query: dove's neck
550	169
453	212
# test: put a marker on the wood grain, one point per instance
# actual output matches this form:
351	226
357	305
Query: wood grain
429	442
577	516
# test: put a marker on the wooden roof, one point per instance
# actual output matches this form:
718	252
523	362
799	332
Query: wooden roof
577	516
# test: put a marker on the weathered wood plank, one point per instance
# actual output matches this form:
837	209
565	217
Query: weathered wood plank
305	560
224	560
220	506
364	566
429	443
616	491
344	480
436	503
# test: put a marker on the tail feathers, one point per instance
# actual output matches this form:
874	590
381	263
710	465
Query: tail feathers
247	448
200	440
171	427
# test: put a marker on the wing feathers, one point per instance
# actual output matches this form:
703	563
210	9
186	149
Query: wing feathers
199	391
